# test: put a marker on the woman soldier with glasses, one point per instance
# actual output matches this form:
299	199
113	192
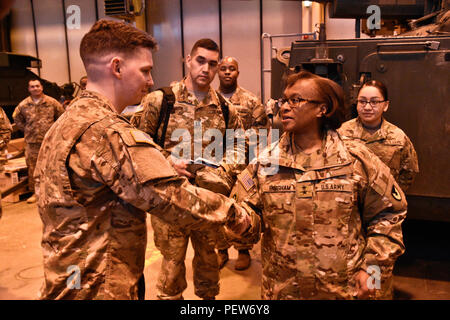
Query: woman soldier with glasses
383	138
386	140
330	211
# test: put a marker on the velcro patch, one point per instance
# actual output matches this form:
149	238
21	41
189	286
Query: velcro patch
281	188
334	187
141	137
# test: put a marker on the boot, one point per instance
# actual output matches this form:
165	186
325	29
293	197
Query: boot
32	199
243	260
222	257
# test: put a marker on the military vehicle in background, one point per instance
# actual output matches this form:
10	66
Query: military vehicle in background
414	63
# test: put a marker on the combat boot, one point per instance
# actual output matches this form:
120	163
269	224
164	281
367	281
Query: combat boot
243	260
222	256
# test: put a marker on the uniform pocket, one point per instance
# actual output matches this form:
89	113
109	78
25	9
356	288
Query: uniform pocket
278	197
333	203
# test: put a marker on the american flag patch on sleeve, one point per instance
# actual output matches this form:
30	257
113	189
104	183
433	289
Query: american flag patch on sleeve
246	180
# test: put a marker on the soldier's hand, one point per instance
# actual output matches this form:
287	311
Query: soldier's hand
361	284
238	222
213	180
180	166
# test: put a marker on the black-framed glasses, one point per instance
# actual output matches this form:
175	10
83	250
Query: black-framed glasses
373	103
294	101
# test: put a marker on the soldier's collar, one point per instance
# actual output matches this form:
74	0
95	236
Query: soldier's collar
332	154
367	136
188	97
42	99
236	91
98	96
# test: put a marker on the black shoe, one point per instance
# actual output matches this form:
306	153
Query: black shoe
243	260
222	257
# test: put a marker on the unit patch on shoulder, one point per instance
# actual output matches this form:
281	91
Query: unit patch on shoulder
246	180
396	194
141	137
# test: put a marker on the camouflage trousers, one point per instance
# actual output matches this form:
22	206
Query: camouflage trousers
31	155
223	243
172	242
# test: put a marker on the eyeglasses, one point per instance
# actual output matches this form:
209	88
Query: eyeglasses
373	103
294	101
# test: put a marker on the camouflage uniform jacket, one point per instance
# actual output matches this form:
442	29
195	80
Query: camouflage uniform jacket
325	216
187	114
5	136
35	119
94	185
249	108
390	144
5	130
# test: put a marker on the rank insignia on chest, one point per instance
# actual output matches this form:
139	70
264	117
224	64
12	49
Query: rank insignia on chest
304	190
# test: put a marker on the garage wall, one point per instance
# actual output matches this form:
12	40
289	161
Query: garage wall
235	24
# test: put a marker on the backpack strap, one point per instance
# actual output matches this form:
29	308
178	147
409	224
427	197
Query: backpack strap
167	104
226	116
225	108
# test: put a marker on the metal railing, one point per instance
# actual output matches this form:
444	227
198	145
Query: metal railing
270	37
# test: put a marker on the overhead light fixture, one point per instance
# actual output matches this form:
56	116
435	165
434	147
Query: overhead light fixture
307	4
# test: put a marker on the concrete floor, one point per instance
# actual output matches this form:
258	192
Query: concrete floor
21	272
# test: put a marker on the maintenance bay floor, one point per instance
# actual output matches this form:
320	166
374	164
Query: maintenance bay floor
421	274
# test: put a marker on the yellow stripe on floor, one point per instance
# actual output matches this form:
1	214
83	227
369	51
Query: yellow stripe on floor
152	253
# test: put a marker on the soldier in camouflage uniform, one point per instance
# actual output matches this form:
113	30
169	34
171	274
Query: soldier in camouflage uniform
384	139
196	104
253	116
94	183
5	136
248	105
34	116
331	210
